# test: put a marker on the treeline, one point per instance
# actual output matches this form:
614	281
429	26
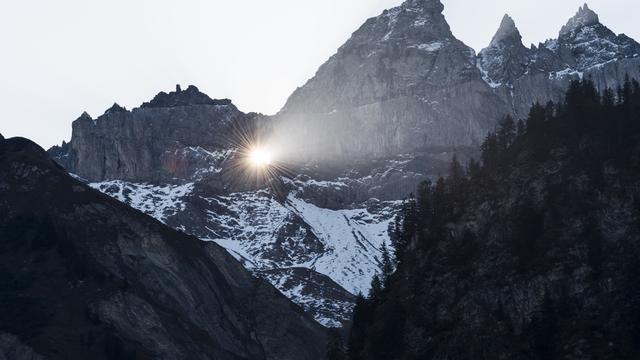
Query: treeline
594	130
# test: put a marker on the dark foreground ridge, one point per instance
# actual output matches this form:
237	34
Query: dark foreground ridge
83	276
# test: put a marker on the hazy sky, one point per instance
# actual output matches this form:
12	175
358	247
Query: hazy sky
62	57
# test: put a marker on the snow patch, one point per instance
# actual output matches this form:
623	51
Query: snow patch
428	47
486	77
158	201
352	239
420	22
568	72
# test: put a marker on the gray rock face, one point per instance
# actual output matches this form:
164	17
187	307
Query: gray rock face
175	137
85	276
191	96
584	17
400	83
505	58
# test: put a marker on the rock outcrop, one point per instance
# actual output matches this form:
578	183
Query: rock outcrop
175	137
85	276
190	96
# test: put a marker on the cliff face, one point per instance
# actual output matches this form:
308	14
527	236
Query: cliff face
85	276
402	82
173	138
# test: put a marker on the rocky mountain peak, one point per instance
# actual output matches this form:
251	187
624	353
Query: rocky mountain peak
85	116
584	17
191	96
507	32
505	59
115	108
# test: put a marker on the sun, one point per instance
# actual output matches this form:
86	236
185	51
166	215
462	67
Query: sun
260	157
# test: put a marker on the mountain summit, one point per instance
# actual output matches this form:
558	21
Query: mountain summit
123	144
506	32
505	58
190	96
584	17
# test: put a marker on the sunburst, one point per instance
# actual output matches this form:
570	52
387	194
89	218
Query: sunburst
256	161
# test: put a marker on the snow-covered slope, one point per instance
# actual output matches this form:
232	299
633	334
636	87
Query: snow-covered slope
318	257
157	201
351	238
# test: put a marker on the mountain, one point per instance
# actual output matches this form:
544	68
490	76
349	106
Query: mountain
386	112
532	255
506	58
85	276
403	82
584	48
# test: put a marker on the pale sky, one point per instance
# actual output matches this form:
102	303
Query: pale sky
60	58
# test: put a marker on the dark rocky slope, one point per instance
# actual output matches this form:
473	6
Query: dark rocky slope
533	255
85	276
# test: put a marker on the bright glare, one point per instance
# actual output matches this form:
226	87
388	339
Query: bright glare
260	157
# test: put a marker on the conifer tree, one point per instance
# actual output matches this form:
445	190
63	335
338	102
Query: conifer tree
506	133
521	128
456	184
489	150
376	289
387	264
335	345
